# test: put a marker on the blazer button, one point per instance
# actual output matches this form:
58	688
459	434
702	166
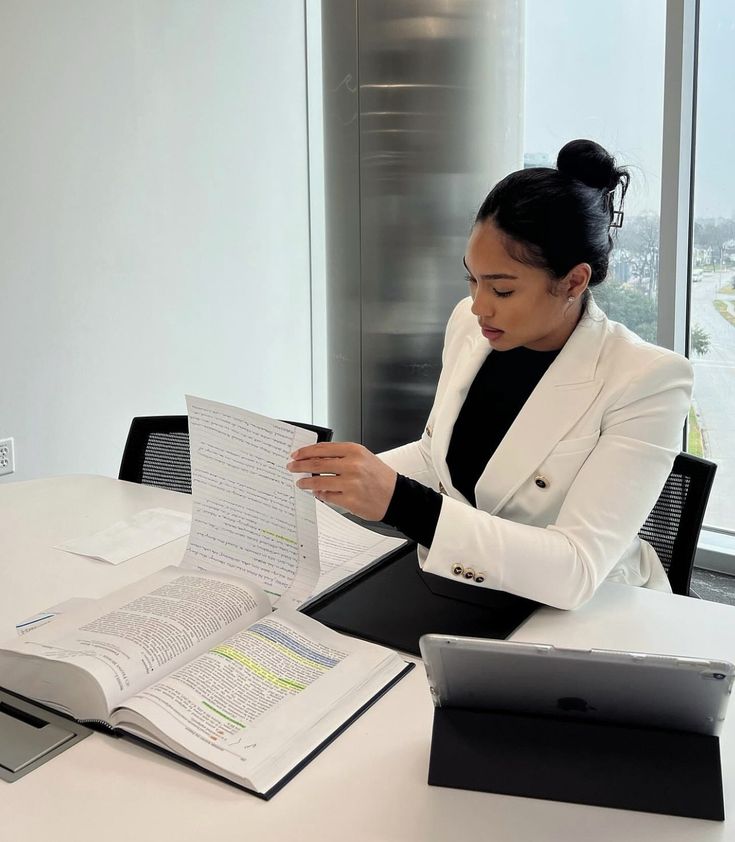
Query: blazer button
479	578
469	573
457	570
542	482
442	490
428	430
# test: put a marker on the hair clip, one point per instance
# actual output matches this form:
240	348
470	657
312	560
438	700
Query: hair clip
617	219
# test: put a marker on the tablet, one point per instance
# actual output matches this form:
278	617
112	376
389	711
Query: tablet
631	688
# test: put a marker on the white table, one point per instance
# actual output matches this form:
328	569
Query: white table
370	784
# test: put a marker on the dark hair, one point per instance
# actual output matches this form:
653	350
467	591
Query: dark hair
553	219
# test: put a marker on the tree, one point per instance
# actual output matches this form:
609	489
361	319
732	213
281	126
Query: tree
630	306
637	246
700	340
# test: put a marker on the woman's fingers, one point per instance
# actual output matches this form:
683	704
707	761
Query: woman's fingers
321	483
345	473
316	466
328	450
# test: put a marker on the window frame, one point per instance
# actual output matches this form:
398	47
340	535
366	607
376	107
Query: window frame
677	173
716	550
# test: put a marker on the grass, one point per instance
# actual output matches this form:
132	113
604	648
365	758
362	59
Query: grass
695	445
721	308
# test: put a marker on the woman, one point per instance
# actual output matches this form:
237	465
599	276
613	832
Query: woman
553	429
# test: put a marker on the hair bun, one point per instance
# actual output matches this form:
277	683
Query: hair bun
590	163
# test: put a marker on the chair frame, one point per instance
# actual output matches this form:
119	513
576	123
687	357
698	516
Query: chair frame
141	427
701	474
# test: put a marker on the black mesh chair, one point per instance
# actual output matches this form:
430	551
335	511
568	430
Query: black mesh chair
157	451
674	524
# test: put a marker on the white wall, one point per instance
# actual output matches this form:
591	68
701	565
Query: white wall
154	235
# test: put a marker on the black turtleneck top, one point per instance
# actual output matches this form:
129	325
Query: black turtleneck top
497	394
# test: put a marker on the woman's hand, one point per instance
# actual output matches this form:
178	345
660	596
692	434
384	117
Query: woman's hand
350	476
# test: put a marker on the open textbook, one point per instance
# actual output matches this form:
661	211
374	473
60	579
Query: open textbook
197	664
193	659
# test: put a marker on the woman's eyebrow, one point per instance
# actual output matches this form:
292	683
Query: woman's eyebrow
499	276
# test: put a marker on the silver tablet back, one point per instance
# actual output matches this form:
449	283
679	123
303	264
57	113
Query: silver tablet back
633	688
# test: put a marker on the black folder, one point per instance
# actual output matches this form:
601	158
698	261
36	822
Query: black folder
608	765
394	602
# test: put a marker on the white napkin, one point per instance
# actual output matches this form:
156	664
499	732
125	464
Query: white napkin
125	539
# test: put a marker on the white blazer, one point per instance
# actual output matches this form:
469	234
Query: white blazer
561	500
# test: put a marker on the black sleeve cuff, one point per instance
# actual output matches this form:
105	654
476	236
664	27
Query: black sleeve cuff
414	509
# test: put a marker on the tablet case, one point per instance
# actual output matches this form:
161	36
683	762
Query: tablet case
633	768
394	603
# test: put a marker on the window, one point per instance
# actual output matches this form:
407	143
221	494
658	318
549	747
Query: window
617	101
712	294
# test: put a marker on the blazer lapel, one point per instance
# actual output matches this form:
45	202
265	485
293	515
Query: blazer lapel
561	397
458	385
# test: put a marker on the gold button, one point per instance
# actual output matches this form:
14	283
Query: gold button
442	490
479	578
428	430
469	573
457	569
542	482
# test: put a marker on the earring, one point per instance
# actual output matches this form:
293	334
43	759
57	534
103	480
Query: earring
570	299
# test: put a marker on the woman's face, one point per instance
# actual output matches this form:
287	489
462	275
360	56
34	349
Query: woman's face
515	304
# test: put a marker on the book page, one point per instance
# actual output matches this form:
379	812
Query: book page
346	547
138	634
229	709
248	516
224	690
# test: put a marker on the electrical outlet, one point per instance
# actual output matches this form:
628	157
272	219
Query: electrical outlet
7	457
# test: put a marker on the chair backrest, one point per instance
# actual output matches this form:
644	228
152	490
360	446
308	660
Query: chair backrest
675	521
157	451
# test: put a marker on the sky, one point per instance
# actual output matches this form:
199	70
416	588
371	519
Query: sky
595	68
715	176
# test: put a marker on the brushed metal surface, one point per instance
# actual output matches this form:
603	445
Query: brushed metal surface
437	119
342	216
